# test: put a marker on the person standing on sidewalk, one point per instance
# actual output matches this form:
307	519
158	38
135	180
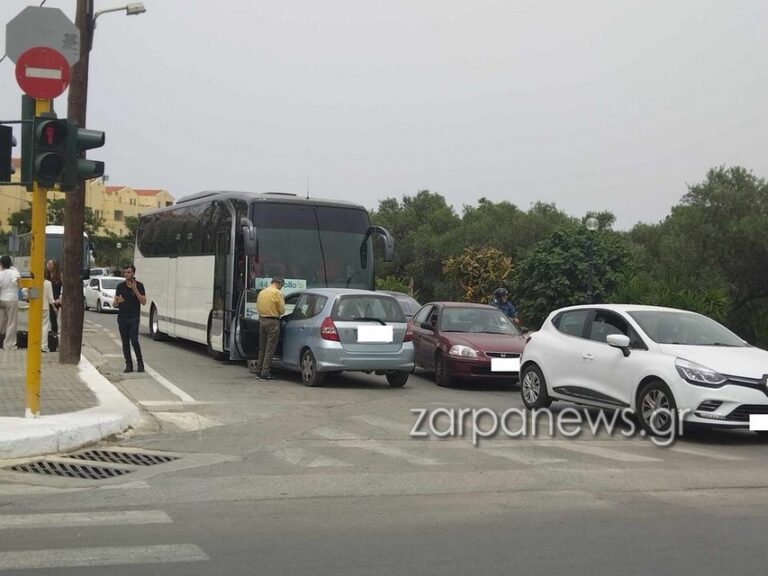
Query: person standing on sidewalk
9	301
129	298
270	305
49	312
53	269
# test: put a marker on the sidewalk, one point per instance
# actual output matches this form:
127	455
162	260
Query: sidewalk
78	406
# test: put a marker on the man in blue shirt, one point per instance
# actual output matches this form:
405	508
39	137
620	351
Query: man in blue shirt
500	300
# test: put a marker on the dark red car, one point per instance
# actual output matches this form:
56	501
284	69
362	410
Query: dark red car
458	340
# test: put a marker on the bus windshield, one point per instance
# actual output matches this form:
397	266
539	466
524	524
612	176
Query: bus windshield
310	246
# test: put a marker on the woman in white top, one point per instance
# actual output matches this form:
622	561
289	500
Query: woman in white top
47	303
9	301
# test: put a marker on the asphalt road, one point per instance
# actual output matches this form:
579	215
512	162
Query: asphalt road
277	478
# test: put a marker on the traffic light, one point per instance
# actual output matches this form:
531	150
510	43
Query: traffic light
77	169
49	147
7	142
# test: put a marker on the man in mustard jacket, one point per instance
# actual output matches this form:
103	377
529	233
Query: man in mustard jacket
270	305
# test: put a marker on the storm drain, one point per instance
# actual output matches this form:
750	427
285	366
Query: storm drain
69	470
131	458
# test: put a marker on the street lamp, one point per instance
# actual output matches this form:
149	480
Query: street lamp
132	9
592	224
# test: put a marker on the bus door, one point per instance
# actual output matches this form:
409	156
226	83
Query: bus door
247	326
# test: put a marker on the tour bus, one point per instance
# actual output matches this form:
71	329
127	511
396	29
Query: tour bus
54	248
199	258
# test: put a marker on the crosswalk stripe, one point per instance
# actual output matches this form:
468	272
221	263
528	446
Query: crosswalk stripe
101	556
307	459
592	450
388	425
350	440
704	453
121	518
517	456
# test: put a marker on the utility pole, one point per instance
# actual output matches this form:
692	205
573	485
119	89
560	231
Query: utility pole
74	215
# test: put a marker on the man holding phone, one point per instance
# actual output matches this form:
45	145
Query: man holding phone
129	298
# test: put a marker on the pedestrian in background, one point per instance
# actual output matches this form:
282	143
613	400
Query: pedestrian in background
49	312
270	305
129	298
55	277
9	301
501	301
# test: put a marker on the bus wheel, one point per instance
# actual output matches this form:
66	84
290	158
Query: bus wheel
154	325
215	354
309	374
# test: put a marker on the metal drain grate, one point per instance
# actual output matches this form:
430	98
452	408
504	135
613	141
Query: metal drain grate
69	470
132	458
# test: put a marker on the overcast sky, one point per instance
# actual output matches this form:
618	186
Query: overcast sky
594	105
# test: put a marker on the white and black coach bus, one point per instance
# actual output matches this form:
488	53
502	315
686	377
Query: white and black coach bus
197	257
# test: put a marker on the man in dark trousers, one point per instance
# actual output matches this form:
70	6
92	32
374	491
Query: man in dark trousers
270	305
129	298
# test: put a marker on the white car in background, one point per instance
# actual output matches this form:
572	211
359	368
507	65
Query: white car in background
99	292
646	358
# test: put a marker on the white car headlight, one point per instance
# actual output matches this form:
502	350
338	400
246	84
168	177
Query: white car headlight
698	374
107	295
463	351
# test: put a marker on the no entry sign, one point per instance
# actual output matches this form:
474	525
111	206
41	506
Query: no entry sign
42	73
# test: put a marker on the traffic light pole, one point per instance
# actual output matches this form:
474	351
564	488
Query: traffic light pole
35	288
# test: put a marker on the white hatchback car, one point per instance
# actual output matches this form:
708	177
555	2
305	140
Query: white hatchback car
99	292
645	358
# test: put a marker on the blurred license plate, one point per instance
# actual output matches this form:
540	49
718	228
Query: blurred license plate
374	334
505	364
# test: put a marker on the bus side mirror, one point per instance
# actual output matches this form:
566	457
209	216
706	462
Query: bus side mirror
249	237
389	245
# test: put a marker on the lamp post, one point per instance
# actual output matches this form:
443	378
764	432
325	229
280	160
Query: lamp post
74	214
592	224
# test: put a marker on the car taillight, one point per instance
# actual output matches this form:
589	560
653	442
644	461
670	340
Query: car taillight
328	330
408	333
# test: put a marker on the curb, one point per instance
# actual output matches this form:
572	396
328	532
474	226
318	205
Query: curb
51	434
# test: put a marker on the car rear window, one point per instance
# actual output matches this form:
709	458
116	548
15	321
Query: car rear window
374	307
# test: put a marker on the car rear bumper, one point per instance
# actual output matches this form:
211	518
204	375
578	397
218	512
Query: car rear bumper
332	357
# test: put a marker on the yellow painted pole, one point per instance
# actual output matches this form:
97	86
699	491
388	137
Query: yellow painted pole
37	267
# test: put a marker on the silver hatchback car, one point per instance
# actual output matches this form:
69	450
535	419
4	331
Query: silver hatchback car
327	331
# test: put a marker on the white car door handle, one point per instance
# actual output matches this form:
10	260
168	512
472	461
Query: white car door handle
587	356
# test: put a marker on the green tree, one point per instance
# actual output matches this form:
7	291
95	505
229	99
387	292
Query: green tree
421	225
22	219
478	272
555	271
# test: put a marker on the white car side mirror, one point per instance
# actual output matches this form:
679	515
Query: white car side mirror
619	341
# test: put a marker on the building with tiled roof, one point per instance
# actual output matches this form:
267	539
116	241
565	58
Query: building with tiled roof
110	203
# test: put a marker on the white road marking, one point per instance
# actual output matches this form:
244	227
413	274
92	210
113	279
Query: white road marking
516	456
170	386
307	459
101	556
592	450
704	453
70	519
187	421
349	440
388	425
